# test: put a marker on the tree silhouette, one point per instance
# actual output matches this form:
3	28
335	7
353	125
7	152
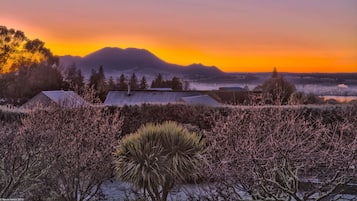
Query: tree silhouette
98	83
275	73
176	84
143	84
17	50
157	83
74	78
111	84
18	87
277	90
121	83
133	82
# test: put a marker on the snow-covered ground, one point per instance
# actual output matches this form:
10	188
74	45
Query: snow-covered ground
117	190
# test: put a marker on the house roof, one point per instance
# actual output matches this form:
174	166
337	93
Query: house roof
120	98
201	100
64	97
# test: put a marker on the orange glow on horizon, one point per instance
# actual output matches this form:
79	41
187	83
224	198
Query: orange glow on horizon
294	36
227	61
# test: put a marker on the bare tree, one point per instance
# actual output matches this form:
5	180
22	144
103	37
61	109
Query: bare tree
62	153
80	143
21	161
280	154
277	90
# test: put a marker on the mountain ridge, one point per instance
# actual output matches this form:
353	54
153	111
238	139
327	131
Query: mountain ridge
117	60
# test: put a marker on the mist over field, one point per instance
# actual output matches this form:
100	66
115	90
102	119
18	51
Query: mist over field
318	84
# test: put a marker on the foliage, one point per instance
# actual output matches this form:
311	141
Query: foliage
9	115
74	79
133	82
298	98
236	97
246	144
111	84
121	83
282	154
18	168
98	83
157	157
277	91
143	83
17	50
175	83
18	87
275	73
27	67
313	99
59	153
158	82
135	116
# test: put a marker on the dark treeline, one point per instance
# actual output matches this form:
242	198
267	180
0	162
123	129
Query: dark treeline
19	86
175	83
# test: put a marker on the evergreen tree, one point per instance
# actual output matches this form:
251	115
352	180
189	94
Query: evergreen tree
275	73
134	82
121	83
74	78
111	84
157	83
143	83
93	79
176	84
98	83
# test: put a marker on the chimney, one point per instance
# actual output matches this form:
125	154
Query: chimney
129	92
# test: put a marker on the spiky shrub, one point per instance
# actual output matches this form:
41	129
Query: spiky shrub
158	156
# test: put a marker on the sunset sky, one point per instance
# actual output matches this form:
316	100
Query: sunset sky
234	35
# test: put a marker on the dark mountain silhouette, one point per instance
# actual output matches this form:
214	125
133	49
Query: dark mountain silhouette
116	60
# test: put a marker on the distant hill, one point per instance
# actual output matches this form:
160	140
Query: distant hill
116	61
